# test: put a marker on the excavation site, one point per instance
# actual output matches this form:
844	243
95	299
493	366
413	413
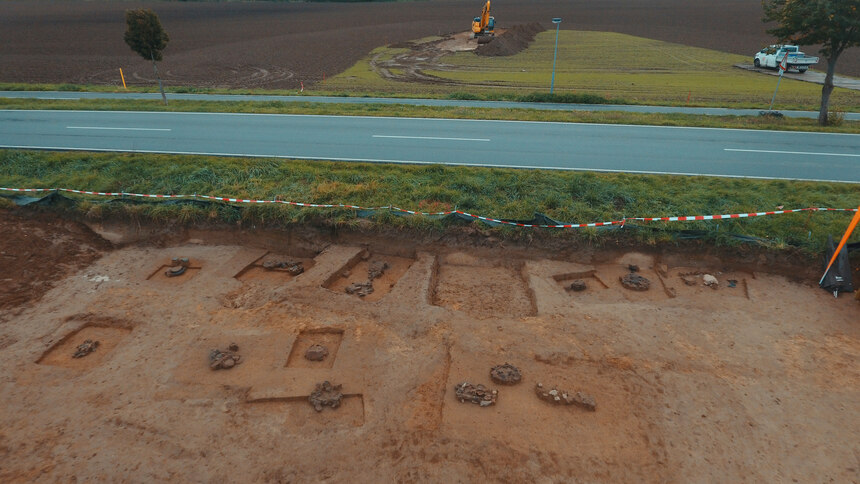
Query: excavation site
144	352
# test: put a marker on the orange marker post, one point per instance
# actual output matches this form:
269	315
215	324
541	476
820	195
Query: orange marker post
123	79
842	242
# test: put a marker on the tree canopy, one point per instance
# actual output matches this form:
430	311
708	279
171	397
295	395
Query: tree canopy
145	34
834	24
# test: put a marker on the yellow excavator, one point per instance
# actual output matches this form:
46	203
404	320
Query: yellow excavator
483	27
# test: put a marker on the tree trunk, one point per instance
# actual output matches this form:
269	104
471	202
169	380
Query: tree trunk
163	97
826	90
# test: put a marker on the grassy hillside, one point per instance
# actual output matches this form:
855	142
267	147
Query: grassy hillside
612	65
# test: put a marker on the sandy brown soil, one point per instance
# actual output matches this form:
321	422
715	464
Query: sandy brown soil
752	383
277	45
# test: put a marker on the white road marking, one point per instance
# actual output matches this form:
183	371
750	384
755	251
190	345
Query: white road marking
509	121
794	152
429	137
122	129
416	162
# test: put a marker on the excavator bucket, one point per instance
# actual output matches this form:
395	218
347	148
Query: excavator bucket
485	39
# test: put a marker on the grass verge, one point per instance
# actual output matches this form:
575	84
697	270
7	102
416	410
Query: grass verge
404	110
577	197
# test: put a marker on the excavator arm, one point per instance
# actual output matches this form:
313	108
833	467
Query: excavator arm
480	24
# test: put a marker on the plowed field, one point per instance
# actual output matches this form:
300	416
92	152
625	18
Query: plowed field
279	45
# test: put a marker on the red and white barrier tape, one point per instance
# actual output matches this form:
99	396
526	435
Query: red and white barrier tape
688	218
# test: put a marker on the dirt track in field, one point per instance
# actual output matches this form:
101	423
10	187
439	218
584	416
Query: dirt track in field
753	381
279	45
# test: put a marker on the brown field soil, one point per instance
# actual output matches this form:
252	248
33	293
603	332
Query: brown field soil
752	383
277	45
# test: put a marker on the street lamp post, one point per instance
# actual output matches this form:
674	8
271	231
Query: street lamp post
556	21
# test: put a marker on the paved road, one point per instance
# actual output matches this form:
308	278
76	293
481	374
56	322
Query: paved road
414	102
635	149
815	77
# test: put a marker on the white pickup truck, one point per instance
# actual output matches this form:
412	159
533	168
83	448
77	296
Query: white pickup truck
772	56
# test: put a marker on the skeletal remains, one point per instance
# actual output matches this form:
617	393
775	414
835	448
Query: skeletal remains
477	394
178	266
316	352
561	397
294	268
506	374
376	269
85	348
226	359
326	395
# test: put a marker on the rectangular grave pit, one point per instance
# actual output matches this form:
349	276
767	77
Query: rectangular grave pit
329	337
484	292
356	271
61	353
593	282
298	415
258	272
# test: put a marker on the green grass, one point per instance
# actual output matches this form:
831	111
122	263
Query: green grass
616	66
501	193
403	110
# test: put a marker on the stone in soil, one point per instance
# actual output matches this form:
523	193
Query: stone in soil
477	394
635	282
633	268
326	395
506	374
577	286
710	281
561	397
316	352
85	348
224	360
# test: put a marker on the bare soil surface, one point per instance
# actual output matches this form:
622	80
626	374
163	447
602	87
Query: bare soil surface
39	251
753	381
409	66
280	44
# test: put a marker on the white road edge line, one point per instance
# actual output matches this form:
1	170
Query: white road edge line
121	129
429	137
793	152
419	162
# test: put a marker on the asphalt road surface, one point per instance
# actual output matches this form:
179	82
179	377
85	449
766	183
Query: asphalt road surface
565	146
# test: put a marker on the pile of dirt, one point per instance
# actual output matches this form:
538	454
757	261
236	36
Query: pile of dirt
510	42
37	250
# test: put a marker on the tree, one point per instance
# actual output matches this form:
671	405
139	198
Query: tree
146	37
834	24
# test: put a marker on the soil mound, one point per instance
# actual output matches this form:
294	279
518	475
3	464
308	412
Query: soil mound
511	41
